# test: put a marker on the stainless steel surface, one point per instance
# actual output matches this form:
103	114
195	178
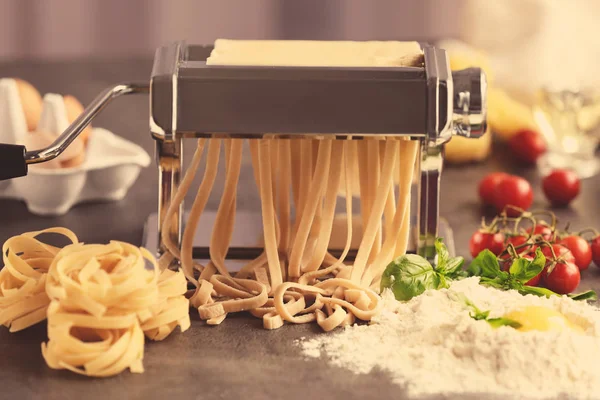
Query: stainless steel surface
170	160
97	105
430	163
470	103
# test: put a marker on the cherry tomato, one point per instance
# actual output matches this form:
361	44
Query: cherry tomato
514	191
487	186
563	279
527	145
581	250
561	187
543	230
519	241
482	240
560	251
595	245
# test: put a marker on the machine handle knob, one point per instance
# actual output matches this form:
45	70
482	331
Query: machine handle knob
470	102
12	161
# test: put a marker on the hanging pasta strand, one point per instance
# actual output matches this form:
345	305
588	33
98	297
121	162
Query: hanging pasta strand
376	213
268	212
283	193
316	188
200	201
177	200
374	166
224	221
406	176
326	226
407	155
348	159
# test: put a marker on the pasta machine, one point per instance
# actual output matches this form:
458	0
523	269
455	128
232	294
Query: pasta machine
189	99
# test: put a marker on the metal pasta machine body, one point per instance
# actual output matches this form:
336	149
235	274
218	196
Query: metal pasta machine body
189	99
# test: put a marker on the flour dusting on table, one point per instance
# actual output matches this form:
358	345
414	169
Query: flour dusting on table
431	345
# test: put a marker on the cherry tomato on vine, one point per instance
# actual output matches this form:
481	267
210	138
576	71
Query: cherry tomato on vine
487	186
560	251
543	230
563	278
513	191
595	245
519	242
482	240
527	145
581	250
561	187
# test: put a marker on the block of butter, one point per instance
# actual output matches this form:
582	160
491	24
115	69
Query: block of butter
312	53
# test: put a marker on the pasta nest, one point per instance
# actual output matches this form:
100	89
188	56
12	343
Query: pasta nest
100	301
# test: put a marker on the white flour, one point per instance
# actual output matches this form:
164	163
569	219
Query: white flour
430	345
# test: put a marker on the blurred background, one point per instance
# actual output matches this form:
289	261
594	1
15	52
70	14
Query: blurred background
51	29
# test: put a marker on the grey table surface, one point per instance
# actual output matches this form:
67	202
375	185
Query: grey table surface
237	359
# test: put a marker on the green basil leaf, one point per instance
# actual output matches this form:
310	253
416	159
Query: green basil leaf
409	276
460	274
479	315
442	254
497	283
538	291
453	267
518	267
443	281
487	264
498	322
589	295
524	270
474	311
474	269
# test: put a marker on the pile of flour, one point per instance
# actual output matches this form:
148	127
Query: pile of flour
430	345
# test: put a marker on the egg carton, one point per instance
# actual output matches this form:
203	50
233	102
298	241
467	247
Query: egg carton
110	167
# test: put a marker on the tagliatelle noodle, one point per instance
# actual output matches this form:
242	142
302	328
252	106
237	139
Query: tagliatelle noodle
224	221
107	348
200	201
333	182
407	152
307	217
175	204
376	212
283	193
268	212
23	298
374	162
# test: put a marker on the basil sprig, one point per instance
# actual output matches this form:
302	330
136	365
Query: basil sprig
410	275
486	266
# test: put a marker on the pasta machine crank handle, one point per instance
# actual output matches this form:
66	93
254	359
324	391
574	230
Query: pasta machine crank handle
14	159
